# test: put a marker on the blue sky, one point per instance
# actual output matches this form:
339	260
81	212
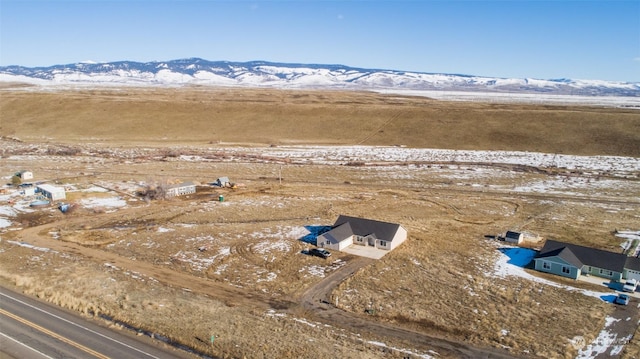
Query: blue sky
597	40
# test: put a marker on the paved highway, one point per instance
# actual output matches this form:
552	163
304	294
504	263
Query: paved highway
32	329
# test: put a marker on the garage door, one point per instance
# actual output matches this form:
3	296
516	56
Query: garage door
633	274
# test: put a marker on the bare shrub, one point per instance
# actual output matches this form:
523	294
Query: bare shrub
63	151
154	191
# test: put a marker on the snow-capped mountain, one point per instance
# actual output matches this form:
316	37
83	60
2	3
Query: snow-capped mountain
195	71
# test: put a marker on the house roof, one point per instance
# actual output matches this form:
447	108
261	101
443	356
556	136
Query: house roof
364	227
579	255
565	254
342	231
180	185
50	188
632	263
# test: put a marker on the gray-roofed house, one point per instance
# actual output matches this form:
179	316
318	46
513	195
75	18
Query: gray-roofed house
347	231
513	237
572	261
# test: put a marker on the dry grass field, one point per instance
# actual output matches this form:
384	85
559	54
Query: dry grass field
190	267
204	115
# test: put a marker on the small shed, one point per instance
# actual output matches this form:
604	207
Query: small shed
24	175
513	237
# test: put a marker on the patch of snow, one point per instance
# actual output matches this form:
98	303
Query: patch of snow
194	260
270	277
7	211
221	269
265	247
314	270
273	314
95	189
603	342
109	202
4	223
27	245
410	353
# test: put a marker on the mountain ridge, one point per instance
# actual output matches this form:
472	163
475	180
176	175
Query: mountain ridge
198	71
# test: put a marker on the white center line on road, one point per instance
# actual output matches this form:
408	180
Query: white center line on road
80	326
26	346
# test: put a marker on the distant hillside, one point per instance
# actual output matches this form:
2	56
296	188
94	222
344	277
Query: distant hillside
195	71
206	116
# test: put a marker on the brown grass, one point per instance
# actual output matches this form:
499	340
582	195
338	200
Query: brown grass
201	116
439	282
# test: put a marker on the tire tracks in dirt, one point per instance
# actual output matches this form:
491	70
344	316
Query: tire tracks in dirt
231	296
313	304
316	304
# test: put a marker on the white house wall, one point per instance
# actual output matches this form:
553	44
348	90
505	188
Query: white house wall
328	241
181	191
632	274
401	236
55	196
52	192
515	240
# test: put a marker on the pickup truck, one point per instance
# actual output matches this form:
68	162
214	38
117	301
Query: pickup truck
630	285
319	252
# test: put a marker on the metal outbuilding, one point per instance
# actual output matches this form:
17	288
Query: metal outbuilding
52	192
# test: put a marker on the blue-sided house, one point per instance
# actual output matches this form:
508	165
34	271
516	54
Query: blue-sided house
572	261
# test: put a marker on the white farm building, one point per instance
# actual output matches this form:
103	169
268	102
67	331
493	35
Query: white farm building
181	189
52	192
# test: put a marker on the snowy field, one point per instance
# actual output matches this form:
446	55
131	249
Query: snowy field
309	81
379	154
506	97
591	167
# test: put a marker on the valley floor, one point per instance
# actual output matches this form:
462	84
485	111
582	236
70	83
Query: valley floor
192	267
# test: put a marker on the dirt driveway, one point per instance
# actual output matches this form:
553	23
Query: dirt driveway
619	328
317	302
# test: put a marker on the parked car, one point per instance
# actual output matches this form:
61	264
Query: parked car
319	252
630	285
622	299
